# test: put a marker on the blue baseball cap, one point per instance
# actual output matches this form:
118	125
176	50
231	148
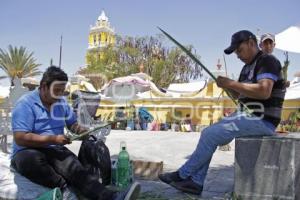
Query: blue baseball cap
237	38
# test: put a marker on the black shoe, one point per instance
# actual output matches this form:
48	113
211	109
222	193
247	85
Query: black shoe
188	186
131	193
170	177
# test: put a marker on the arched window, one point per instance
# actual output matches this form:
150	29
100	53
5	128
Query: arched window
95	40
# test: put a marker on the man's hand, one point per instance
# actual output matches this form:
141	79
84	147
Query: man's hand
77	129
62	140
260	90
224	82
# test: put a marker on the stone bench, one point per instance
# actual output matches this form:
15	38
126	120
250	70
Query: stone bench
267	167
5	130
15	186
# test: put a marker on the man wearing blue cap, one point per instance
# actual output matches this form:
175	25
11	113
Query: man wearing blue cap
260	87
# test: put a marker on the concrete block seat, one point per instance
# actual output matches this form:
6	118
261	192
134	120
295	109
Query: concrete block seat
268	167
14	186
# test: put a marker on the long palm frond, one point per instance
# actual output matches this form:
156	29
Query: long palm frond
188	52
193	57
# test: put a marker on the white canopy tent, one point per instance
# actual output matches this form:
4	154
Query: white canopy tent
177	89
293	92
126	88
289	39
4	91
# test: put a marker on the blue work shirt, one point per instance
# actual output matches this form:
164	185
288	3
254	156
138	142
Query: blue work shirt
31	116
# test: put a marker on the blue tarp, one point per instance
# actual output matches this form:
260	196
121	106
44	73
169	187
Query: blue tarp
144	115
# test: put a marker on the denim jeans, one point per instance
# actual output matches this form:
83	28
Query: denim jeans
236	125
58	167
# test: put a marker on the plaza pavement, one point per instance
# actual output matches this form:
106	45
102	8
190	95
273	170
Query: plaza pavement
173	148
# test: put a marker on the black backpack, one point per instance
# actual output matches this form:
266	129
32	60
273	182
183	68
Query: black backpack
95	157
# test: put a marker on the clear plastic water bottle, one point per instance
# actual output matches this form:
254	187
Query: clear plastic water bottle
123	167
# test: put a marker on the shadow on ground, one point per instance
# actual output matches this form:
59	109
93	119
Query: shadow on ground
218	185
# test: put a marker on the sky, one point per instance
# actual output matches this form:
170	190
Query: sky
205	24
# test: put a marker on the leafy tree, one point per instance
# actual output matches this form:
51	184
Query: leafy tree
128	53
18	62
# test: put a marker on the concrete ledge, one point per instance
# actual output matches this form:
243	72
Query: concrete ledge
268	167
147	170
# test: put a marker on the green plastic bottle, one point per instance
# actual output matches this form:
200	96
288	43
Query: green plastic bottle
54	194
123	167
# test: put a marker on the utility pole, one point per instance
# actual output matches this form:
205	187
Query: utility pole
258	34
60	51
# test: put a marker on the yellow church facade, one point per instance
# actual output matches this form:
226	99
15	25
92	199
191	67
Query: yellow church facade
204	107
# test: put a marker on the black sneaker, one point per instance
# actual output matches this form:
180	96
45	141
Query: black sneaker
170	177
131	193
188	186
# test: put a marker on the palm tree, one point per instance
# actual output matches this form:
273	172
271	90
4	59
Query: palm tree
18	63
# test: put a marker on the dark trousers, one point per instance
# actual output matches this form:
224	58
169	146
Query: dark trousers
56	167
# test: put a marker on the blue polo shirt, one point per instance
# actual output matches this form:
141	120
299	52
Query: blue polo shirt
31	116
